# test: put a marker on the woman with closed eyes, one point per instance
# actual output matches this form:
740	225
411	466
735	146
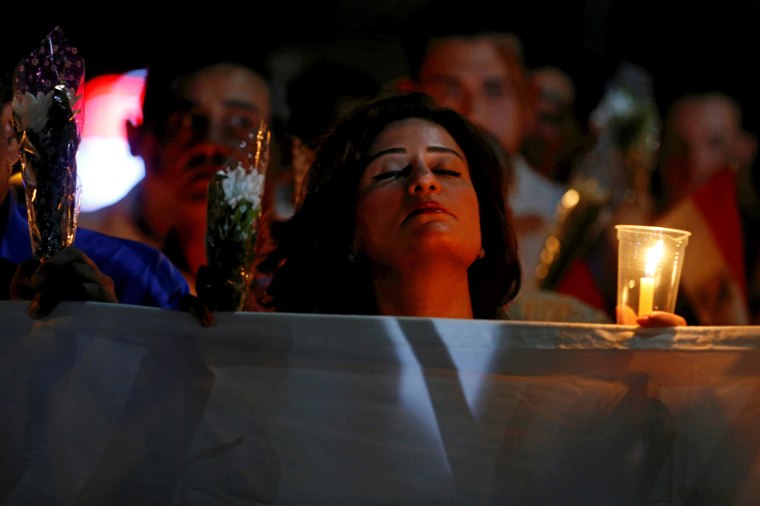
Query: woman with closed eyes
403	214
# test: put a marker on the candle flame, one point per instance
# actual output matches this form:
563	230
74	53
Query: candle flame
654	255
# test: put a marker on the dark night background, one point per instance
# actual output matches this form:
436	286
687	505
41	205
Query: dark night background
686	46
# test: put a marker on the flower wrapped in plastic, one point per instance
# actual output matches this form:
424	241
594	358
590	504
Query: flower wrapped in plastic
234	208
609	184
48	114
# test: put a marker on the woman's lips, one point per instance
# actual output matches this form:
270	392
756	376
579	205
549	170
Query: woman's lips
428	206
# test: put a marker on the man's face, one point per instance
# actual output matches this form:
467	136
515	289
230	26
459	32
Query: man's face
703	138
473	78
217	107
556	132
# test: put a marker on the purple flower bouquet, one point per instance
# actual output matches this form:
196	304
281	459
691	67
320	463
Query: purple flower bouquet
48	114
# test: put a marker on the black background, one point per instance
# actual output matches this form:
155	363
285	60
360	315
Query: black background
686	46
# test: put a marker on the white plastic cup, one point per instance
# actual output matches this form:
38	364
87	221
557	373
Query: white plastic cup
650	261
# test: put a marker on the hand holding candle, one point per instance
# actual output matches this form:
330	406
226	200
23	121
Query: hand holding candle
650	260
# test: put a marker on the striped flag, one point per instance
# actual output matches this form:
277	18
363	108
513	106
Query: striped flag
713	278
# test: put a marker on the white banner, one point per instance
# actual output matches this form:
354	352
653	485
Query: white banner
116	404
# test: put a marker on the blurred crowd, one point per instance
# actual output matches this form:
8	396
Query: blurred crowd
689	163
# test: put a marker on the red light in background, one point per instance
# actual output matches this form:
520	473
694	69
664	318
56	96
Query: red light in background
105	166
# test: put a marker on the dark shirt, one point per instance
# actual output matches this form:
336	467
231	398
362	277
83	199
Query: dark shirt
141	274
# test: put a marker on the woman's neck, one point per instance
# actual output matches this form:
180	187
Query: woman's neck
425	294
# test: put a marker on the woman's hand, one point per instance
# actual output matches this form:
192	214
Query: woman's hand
626	316
661	319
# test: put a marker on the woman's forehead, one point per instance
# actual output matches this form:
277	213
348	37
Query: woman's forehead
412	130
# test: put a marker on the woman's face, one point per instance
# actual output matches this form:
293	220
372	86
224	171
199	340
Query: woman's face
416	203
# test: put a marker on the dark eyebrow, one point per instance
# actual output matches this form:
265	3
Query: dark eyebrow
389	151
431	149
443	149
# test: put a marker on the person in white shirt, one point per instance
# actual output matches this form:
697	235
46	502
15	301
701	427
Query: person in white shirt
469	66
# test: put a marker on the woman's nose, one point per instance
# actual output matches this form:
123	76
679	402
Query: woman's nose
422	179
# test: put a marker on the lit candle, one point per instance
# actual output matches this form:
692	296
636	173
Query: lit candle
646	284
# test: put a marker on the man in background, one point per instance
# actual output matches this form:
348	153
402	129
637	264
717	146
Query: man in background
469	64
195	114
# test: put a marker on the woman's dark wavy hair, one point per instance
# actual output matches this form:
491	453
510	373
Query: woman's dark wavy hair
313	271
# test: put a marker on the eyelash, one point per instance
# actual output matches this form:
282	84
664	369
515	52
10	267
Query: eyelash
406	170
389	174
447	172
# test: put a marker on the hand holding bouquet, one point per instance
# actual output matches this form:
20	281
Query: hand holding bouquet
48	114
234	208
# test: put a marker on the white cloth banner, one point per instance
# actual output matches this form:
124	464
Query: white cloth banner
116	404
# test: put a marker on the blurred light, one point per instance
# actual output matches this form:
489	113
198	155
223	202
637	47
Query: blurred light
107	171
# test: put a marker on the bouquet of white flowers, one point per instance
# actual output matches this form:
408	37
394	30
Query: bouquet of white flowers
234	208
48	113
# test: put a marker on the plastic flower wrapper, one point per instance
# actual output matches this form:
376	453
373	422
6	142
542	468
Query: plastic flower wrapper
627	125
48	114
610	183
234	207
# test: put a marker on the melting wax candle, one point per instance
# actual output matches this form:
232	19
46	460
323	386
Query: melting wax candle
646	284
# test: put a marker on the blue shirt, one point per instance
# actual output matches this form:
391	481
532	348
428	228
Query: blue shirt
141	274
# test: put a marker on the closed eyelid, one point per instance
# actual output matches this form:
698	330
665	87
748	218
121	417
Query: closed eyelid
388	174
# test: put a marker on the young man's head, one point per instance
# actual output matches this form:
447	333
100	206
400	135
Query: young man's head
470	65
703	134
193	119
